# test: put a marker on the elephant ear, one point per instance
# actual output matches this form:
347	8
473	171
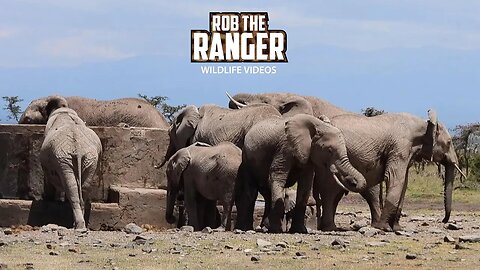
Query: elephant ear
430	135
177	165
296	105
53	103
300	132
185	125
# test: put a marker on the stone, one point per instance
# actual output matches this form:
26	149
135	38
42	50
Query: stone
54	253
132	228
74	250
238	231
207	230
338	242
448	239
470	238
228	247
357	225
376	244
403	233
140	239
248	250
187	229
8	231
261	229
3	266
459	246
282	244
411	256
255	258
435	231
369	231
454	227
262	243
147	249
300	253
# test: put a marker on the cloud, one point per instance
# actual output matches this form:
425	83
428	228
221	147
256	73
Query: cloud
86	46
6	33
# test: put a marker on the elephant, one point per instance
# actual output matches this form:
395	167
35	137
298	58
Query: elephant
132	112
206	174
212	124
383	148
69	156
288	104
279	152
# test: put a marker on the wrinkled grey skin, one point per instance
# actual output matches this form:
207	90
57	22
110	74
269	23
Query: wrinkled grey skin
204	173
383	148
290	104
280	152
213	124
69	156
133	112
443	153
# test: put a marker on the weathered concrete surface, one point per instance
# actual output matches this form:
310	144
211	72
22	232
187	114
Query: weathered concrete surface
129	158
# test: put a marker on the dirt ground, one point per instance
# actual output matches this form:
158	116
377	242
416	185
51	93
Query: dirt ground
425	243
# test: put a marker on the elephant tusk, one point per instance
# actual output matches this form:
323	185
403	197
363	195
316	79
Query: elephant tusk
340	183
239	105
456	166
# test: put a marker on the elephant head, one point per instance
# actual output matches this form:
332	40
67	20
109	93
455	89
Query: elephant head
286	104
438	147
323	144
175	167
182	130
38	110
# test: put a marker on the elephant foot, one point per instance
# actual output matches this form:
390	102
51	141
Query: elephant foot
298	229
81	230
384	226
396	227
275	229
328	228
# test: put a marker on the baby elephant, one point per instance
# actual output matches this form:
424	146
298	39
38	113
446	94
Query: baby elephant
205	174
69	156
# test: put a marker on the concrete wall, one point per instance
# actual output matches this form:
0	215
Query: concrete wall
129	159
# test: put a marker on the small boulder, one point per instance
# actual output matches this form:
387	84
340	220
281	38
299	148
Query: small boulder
448	239
207	230
411	256
470	238
255	258
187	229
133	228
454	227
262	243
338	242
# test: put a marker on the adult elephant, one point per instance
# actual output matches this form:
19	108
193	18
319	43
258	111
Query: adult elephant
134	112
383	148
288	104
69	156
280	152
206	174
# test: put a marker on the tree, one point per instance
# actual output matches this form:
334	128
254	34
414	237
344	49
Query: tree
12	106
467	145
160	102
372	111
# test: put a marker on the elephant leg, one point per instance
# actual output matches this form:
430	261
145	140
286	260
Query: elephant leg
246	191
67	176
396	186
211	216
396	221
192	205
277	211
304	187
330	194
267	196
316	195
372	196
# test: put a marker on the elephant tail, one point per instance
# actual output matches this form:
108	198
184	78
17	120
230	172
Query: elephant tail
79	178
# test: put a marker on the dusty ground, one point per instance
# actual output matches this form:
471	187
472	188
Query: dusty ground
422	242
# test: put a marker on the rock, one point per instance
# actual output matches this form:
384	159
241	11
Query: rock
54	253
261	229
300	253
338	242
359	224
238	231
187	229
207	230
50	246
459	246
3	266
411	256
470	238
132	228
228	247
435	231
248	250
8	231
403	233
369	231
250	232
454	227
262	243
51	228
141	240
2	243
147	249
265	250
376	244
417	219
74	250
282	244
448	239
255	258
425	224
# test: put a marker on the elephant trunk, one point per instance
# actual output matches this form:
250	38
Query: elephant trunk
171	150
448	189
350	179
172	193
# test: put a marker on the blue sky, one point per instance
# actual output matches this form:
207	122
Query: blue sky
403	56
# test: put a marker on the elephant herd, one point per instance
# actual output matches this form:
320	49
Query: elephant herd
263	143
